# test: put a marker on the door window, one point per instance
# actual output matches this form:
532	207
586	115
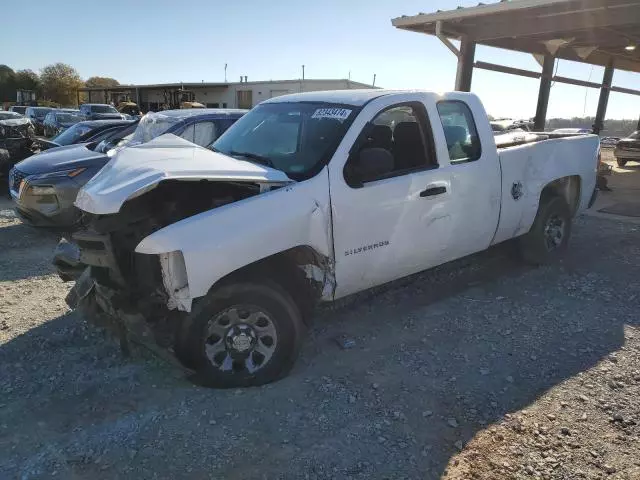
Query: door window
460	131
187	134
400	130
204	133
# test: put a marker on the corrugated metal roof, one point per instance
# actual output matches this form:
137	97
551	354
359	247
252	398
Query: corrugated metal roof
591	31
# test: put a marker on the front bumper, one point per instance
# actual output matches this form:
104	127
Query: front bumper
54	209
627	154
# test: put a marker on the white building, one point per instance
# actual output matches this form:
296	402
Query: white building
242	94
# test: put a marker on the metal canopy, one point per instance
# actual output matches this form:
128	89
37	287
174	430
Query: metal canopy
598	32
590	31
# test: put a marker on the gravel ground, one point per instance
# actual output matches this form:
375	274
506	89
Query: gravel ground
480	369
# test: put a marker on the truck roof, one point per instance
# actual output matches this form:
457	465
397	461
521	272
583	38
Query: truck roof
356	98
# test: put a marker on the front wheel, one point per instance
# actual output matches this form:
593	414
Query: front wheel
549	234
241	335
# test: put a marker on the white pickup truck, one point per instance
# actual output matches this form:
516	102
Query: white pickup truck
218	255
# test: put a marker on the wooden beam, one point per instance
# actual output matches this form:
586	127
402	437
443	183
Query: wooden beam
629	91
575	81
510	70
559	24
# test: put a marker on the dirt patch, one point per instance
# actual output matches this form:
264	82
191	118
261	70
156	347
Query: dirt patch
474	355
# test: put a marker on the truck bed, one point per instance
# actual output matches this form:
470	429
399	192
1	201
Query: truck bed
530	163
506	140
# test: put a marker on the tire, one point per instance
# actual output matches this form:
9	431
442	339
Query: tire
241	335
549	234
621	162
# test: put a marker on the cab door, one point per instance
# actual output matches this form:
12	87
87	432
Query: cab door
399	219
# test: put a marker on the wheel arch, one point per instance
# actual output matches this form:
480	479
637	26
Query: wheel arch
303	272
569	188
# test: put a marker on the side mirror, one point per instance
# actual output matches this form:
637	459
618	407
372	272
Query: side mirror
367	165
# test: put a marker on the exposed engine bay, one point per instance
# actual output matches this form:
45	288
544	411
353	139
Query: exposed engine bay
17	141
128	287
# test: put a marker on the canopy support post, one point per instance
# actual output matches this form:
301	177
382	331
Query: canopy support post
544	92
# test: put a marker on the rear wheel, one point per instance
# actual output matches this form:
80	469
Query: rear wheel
550	232
241	335
621	162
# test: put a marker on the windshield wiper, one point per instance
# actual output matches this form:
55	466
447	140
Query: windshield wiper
253	156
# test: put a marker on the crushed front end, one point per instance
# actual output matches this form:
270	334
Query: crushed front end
123	290
17	141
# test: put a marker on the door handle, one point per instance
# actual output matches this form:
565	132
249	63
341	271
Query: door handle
430	192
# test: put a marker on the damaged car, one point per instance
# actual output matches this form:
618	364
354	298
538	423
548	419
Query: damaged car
44	186
217	256
17	140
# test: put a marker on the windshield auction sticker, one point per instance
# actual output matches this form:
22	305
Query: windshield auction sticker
338	113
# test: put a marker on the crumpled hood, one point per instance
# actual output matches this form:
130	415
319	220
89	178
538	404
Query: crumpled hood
139	168
13	122
62	158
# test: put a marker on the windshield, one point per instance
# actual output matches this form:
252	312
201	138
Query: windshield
71	134
635	135
103	109
153	125
69	118
297	138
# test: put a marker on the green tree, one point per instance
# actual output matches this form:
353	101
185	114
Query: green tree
101	82
27	80
60	83
7	84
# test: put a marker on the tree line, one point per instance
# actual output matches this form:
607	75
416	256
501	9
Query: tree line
56	84
612	127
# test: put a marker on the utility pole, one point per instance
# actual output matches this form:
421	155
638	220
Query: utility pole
303	72
374	80
225	73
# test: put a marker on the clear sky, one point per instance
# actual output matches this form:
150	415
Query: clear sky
156	41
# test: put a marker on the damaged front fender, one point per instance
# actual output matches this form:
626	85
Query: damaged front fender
198	251
175	280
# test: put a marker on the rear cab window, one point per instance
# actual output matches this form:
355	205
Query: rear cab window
463	142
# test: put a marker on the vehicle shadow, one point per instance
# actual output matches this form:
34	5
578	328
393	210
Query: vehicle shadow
433	360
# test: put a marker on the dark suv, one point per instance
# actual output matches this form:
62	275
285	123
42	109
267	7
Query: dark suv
100	111
36	115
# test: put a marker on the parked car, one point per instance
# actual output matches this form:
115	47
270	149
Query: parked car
628	149
309	197
100	111
57	121
52	178
21	109
36	115
17	138
564	131
609	141
500	127
82	131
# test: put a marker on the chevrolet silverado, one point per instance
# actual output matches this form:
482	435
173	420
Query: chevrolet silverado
218	255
